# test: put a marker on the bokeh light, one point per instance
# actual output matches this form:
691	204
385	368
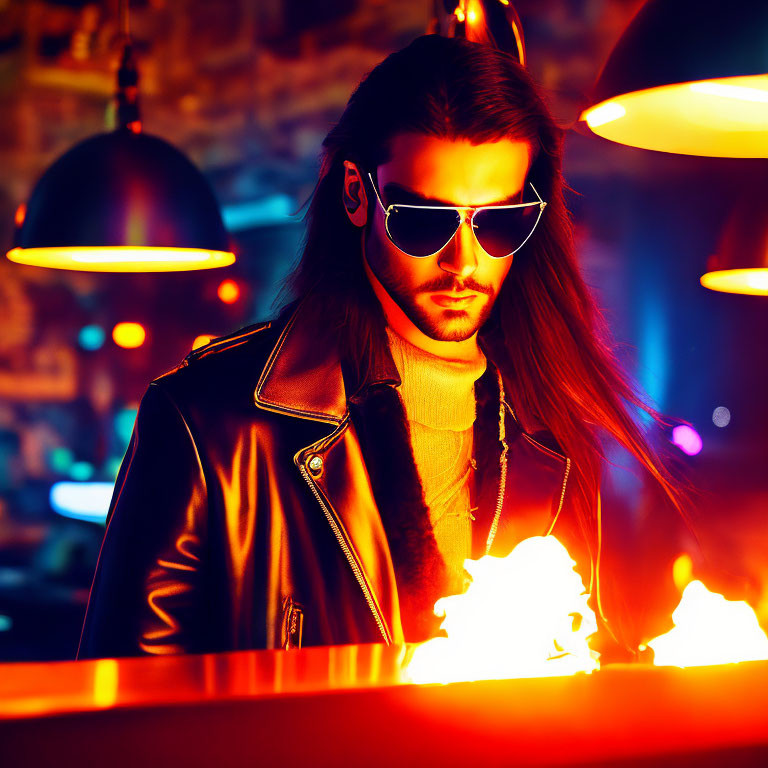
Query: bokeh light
81	471
81	501
124	420
61	460
721	416
687	439
228	291
129	335
112	466
91	337
201	341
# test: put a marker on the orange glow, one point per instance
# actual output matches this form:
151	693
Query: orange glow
201	341
122	258
525	615
228	291
21	213
459	13
710	630
725	117
105	677
471	16
129	335
749	281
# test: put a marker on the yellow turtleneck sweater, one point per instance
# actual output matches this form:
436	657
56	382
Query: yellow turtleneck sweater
439	399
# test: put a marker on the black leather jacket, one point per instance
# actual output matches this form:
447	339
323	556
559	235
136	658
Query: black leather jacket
267	501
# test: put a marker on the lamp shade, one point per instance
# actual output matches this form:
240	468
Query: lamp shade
122	202
688	77
740	264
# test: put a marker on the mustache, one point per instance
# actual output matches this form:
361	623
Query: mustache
450	283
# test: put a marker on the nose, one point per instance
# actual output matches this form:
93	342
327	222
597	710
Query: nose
458	257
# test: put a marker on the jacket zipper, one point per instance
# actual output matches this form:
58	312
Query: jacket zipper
350	557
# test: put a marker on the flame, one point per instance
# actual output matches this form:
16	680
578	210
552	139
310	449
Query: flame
524	615
709	630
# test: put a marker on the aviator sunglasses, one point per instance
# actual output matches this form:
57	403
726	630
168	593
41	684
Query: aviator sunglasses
424	230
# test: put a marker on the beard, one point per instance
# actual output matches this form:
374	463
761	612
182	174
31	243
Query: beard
444	325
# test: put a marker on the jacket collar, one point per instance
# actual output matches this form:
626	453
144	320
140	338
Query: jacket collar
303	374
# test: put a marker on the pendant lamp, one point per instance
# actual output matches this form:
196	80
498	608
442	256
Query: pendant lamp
740	264
688	77
492	22
123	201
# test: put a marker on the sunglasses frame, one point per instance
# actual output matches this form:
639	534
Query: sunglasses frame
541	203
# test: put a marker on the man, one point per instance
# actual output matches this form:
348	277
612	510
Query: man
431	392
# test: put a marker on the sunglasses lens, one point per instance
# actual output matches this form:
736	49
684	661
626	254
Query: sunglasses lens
503	230
421	232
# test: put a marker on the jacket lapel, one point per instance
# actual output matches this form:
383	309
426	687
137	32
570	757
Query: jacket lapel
303	378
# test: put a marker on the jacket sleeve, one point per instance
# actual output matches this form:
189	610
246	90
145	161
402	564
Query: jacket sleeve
146	593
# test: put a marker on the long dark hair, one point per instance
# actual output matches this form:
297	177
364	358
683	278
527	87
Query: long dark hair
548	337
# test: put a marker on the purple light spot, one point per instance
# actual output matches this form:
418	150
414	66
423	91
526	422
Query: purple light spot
686	439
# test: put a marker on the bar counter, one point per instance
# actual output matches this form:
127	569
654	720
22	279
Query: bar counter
348	706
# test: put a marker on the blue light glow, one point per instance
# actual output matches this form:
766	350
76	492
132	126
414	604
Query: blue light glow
81	470
269	211
91	337
81	501
124	421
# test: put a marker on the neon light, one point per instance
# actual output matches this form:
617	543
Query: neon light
687	439
81	501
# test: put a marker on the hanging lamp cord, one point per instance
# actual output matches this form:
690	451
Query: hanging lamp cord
127	93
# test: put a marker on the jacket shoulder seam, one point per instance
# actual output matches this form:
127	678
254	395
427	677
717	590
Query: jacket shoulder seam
225	342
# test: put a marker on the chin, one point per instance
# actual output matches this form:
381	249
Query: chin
450	325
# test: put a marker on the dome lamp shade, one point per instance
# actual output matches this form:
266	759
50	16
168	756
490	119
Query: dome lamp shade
122	201
688	77
740	264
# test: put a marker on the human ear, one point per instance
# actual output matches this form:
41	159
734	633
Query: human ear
353	195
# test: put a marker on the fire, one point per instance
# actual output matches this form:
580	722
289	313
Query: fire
525	615
708	628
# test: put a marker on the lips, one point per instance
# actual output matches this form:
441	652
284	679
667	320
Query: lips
453	301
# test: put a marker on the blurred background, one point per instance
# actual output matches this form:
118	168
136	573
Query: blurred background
247	90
